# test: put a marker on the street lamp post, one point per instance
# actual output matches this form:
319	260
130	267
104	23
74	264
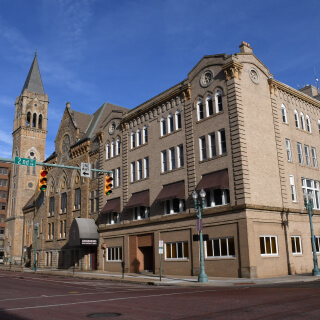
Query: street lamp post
36	227
199	208
308	202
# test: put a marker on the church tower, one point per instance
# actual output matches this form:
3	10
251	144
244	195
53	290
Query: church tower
29	139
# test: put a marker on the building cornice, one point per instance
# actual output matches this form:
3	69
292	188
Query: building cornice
232	69
80	149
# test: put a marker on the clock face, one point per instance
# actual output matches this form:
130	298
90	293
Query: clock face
112	127
65	144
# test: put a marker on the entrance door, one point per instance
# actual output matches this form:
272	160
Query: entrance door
147	253
93	258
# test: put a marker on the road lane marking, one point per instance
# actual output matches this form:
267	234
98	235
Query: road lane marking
105	300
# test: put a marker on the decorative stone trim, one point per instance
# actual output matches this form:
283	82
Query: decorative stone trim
80	149
100	136
232	70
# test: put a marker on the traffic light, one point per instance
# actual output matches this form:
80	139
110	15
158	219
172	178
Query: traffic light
108	185
43	180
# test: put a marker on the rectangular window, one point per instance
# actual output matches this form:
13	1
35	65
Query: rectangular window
293	189
317	243
92	201
3	206
146	167
300	153
268	245
222	247
96	199
172	159
203	148
113	218
77	199
212	144
133	171
307	153
288	146
63	202
217	197
174	206
176	250
164	167
312	187
314	157
296	244
51	207
222	142
139	162
180	156
114	254
118	177
140	213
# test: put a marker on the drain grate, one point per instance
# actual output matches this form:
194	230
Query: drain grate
104	315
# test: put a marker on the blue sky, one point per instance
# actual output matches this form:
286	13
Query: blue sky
127	51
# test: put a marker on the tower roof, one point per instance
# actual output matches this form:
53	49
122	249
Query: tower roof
33	82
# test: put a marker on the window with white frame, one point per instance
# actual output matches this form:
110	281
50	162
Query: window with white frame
63	203
317	243
314	157
209	105
220	247
180	156
146	167
319	125
113	176
113	218
293	189
118	177
164	167
133	171
139	138
114	254
163	126
63	228
222	142
203	148
51	207
176	250
300	152
140	213
268	245
200	110
218	100
178	120
172	159
284	113
217	197
133	140
50	231
296	119
113	148
303	126
145	134
139	165
118	146
170	123
307	154
296	245
77	199
212	145
308	123
288	147
173	206
311	187
108	152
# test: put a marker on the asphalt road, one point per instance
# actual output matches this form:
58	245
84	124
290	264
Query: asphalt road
41	297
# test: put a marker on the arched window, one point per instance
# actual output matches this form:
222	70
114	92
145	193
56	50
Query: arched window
28	119
296	119
145	134
34	120
108	150
118	146
170	123
308	123
40	122
284	113
218	98
113	148
200	110
178	120
209	105
133	140
163	127
139	140
303	126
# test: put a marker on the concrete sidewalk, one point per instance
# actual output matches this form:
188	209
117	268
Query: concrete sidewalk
166	280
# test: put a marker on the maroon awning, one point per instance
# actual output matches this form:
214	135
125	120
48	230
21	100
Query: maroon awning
171	191
139	199
112	205
215	180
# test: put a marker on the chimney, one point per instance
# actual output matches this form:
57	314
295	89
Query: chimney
245	47
68	104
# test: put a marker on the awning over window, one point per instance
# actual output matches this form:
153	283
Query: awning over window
83	232
171	191
215	180
112	205
139	199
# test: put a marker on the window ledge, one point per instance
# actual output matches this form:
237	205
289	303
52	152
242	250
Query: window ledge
214	158
137	147
170	133
210	117
61	239
133	182
177	260
270	256
169	171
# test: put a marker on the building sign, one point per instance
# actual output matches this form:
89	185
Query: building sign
85	169
89	242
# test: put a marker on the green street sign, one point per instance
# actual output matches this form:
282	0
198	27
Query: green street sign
25	161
